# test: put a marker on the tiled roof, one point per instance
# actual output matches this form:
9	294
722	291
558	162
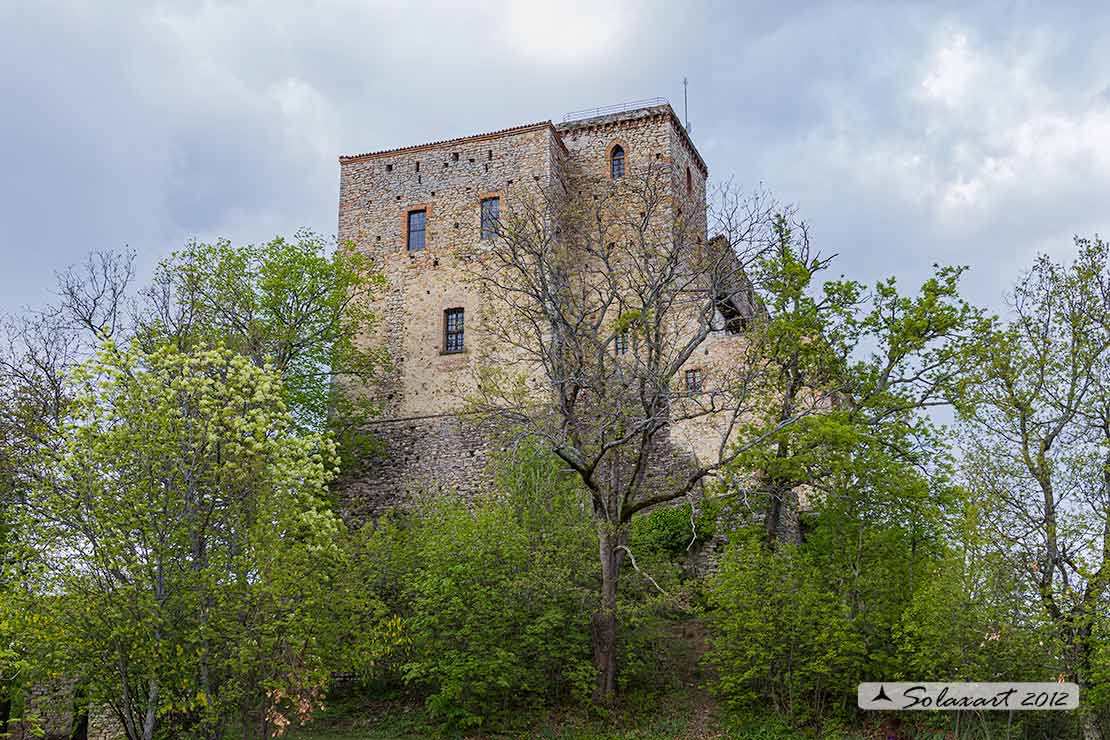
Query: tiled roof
344	159
591	122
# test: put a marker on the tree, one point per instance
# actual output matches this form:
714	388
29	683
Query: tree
780	632
605	305
877	358
295	306
1037	415
596	311
298	305
490	593
177	541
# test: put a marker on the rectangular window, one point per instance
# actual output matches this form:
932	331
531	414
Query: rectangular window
491	217
620	343
417	224
453	330
693	381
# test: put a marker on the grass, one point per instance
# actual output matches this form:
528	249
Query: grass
686	715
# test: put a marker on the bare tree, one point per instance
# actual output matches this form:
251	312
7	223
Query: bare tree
617	327
39	347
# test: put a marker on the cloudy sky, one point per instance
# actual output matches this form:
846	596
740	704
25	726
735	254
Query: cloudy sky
906	134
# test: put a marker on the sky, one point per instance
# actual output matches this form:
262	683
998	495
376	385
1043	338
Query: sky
905	134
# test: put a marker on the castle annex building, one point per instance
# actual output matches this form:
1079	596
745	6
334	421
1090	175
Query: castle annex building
421	212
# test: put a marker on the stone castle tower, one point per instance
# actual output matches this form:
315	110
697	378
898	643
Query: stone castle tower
418	211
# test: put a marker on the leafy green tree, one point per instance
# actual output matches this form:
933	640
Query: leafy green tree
296	307
1037	415
872	469
874	360
299	306
178	545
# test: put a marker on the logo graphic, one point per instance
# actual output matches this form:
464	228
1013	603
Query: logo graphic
881	696
944	696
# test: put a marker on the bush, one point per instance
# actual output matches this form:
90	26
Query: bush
778	633
668	529
494	599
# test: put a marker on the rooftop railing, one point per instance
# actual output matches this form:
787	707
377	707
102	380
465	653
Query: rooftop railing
609	110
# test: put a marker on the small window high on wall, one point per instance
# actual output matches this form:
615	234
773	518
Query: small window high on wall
616	162
491	217
453	327
693	381
415	231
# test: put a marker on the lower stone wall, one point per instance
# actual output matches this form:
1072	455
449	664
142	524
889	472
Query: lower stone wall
416	458
104	725
49	714
430	456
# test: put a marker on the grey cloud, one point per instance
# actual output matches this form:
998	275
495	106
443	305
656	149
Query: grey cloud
907	133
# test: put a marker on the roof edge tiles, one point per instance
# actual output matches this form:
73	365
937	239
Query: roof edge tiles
349	158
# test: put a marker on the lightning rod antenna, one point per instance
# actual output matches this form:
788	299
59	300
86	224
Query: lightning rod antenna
685	104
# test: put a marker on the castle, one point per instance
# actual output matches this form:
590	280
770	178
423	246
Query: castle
420	212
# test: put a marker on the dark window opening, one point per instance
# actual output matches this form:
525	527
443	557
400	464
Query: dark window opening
417	226
620	343
735	321
389	168
417	166
491	217
453	330
689	181
693	381
616	162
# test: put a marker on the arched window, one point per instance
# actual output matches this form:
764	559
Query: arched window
616	162
689	182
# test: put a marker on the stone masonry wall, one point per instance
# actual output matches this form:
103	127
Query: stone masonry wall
49	715
448	180
424	445
419	457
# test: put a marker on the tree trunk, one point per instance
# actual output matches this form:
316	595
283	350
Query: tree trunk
1088	722
1078	644
783	523
603	626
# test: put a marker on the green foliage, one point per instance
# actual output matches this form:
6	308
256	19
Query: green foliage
180	548
779	633
1036	415
301	306
493	599
669	529
866	363
968	620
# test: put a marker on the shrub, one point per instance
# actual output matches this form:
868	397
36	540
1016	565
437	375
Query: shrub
778	632
494	599
669	530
